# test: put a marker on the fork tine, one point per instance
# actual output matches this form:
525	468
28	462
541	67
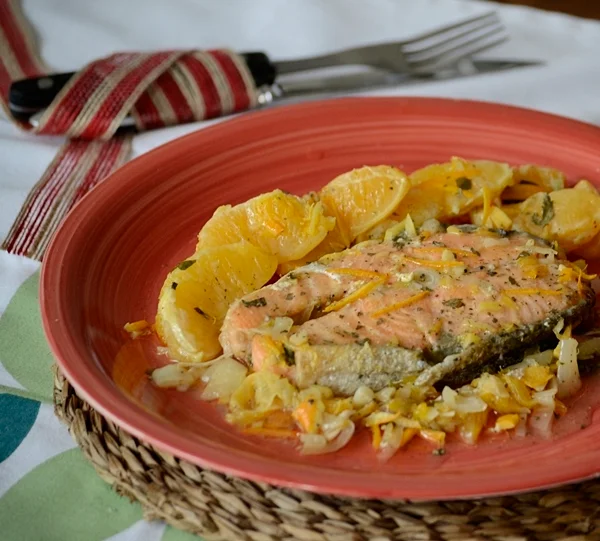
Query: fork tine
469	48
491	15
456	39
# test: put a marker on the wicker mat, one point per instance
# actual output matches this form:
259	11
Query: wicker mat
218	507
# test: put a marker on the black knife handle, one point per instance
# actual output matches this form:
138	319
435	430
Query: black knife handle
30	96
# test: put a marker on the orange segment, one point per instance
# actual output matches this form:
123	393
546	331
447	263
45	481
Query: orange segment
362	198
358	200
196	295
279	223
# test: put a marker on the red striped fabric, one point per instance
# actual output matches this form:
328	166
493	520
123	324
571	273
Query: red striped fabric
205	84
235	80
177	100
125	91
20	39
155	89
78	166
93	104
74	96
146	114
17	47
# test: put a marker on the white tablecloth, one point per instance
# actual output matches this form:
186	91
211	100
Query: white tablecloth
73	32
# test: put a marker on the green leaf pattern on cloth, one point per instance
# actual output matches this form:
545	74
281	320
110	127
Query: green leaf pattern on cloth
63	499
25	353
17	416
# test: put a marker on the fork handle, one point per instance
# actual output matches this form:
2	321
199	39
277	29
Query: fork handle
28	97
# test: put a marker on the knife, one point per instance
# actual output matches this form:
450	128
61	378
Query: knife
28	98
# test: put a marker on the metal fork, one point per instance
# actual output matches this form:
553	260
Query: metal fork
423	54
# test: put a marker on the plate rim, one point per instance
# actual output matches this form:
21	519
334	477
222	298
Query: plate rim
141	424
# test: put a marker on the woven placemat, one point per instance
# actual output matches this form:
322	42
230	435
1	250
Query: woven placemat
219	507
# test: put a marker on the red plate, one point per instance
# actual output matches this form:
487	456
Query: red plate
111	255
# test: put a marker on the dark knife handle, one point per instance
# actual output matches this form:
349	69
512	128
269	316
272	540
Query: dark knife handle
30	96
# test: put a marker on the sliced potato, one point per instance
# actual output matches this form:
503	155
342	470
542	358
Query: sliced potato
531	179
570	216
448	190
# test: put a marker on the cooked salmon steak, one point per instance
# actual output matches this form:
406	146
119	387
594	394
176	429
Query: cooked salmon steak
436	309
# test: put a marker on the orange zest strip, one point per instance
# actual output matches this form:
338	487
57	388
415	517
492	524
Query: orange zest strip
531	291
487	206
401	304
436	249
559	407
270	432
568	273
358	294
376	436
436	327
306	416
433	264
137	326
433	436
361	273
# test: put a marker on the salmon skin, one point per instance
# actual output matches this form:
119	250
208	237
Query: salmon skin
436	309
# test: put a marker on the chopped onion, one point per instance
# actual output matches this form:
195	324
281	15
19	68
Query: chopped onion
457	272
362	396
545	398
487	288
447	255
567	374
316	392
409	227
540	422
559	327
276	326
490	242
403	392
390	442
386	394
405	277
521	428
317	444
428	277
177	375
222	379
588	349
431	226
544	251
299	339
461	403
313	444
449	396
543	358
333	424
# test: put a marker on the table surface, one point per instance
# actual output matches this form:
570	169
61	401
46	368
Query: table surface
581	8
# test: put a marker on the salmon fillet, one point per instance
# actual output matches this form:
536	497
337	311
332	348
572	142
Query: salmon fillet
437	309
